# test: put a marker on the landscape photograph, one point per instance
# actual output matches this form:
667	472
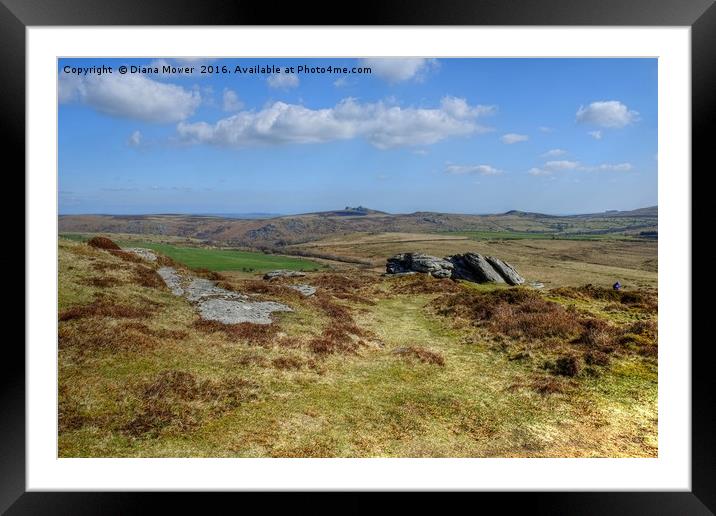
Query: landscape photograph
357	257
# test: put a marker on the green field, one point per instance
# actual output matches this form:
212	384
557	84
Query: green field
216	259
226	259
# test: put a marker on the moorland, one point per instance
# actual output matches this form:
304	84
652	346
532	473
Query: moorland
369	365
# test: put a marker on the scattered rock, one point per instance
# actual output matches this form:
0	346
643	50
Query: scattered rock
536	284
306	290
217	304
146	254
283	273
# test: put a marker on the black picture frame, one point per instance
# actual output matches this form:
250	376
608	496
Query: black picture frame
700	15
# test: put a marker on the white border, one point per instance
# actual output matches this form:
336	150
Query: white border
671	470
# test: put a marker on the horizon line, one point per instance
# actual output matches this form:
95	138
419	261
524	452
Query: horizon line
278	215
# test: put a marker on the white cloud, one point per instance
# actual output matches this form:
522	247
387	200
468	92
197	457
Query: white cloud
483	170
613	167
561	165
545	129
554	153
231	101
341	82
597	135
607	113
539	172
551	167
396	70
459	108
283	81
130	96
135	139
383	125
511	138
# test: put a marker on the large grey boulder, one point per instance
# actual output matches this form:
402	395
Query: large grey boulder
418	262
474	267
506	270
469	266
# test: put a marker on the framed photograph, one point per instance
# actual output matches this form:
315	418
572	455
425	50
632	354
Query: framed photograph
431	249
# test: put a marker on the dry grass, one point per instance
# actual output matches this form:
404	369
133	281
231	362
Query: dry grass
644	300
102	281
526	316
515	312
255	334
90	335
421	354
107	307
355	288
341	334
176	401
147	277
100	242
422	284
126	256
287	362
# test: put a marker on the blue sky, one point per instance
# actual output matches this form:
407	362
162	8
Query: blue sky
452	135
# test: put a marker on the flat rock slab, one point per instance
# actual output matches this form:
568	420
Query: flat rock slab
200	289
173	280
306	290
230	311
142	252
218	304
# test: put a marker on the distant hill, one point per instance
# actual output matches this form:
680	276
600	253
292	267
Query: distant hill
289	229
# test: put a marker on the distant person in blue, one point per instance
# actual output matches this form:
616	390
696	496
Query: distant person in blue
617	286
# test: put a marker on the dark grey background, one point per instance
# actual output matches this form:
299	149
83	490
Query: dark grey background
15	15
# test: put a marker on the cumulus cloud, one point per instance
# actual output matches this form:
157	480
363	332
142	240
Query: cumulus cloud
511	138
283	81
535	171
550	167
340	82
597	135
613	167
396	70
135	139
383	125
561	165
607	113
130	96
231	101
554	153
483	170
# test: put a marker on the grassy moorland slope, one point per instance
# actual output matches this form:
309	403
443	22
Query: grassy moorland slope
369	366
